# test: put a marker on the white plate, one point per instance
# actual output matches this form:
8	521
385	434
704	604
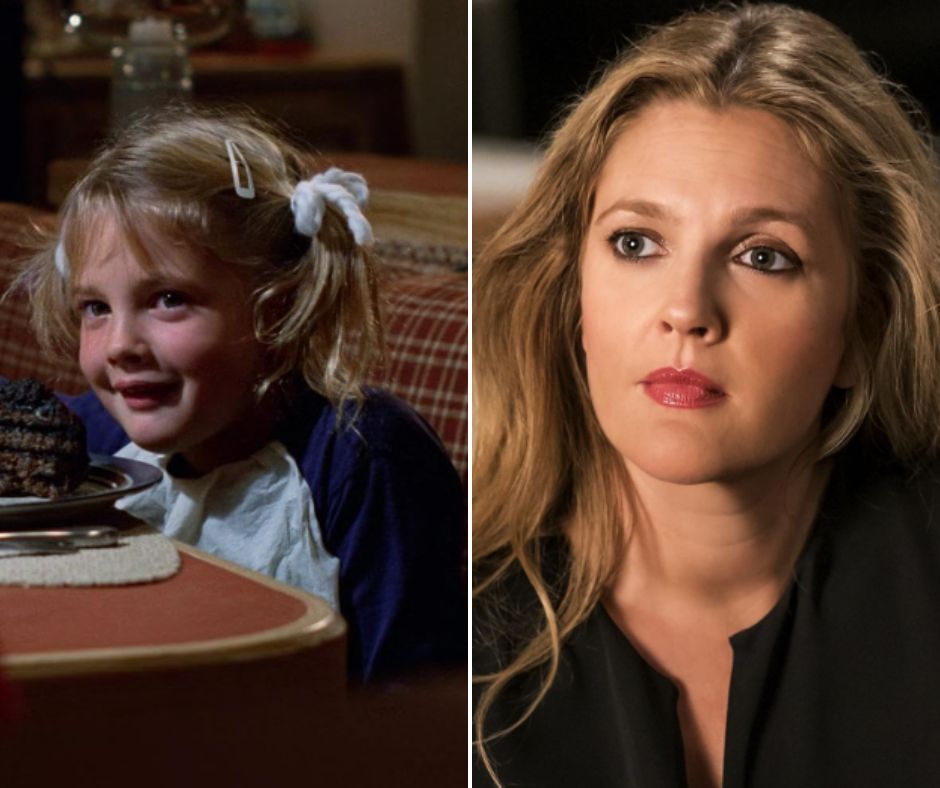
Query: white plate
109	478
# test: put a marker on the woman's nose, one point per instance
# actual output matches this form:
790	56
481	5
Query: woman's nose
691	307
125	342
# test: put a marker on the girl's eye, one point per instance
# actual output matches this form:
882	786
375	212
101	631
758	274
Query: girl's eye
767	260
633	245
93	308
170	300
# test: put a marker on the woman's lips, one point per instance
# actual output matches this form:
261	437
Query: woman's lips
145	396
685	388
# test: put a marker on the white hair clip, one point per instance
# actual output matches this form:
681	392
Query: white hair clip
237	159
346	191
61	260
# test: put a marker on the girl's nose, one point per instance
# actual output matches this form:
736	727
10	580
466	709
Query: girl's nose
691	307
126	345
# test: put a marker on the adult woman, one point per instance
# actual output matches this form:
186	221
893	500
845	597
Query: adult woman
700	542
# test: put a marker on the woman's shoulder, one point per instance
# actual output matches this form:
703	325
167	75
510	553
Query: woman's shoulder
874	476
507	611
881	506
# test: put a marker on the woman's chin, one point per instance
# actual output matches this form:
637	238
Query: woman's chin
683	464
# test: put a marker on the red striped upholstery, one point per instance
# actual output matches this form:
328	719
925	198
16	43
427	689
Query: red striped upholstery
20	356
426	323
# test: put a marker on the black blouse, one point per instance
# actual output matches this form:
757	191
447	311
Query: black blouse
838	686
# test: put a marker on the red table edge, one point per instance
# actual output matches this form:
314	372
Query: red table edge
320	624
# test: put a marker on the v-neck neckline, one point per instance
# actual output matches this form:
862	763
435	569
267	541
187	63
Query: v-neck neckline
752	647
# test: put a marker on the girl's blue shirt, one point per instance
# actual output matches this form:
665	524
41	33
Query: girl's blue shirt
391	509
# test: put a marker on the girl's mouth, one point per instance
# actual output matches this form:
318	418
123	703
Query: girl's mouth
145	396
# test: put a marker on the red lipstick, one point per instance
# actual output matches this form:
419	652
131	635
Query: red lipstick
686	388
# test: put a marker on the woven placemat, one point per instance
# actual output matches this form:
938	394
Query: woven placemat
143	556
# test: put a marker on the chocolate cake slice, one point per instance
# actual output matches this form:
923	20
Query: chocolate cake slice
42	443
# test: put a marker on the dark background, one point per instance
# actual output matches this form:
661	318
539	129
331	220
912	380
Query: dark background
530	57
12	176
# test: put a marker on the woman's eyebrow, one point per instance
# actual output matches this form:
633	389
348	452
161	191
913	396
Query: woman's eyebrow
771	214
653	210
739	216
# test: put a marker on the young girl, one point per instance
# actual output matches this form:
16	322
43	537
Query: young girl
222	303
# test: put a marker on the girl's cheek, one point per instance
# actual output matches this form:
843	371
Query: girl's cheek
182	350
90	352
197	346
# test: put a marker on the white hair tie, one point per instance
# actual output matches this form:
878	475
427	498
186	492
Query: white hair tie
346	191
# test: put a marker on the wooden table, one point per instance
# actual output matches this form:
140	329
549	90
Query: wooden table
216	676
210	612
200	674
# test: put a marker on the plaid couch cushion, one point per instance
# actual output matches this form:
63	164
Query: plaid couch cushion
20	356
424	302
423	288
426	333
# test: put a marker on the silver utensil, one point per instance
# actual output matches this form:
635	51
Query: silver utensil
13	547
60	540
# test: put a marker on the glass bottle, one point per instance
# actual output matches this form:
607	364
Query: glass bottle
150	69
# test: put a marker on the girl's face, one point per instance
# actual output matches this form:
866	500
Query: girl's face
715	289
169	350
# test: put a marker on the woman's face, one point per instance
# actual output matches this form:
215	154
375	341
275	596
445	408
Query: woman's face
715	288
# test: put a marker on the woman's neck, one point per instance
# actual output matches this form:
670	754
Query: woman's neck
719	549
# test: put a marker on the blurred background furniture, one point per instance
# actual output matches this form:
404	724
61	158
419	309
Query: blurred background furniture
337	102
379	76
503	169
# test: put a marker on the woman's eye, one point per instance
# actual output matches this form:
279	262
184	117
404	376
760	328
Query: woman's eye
93	308
170	300
766	259
634	245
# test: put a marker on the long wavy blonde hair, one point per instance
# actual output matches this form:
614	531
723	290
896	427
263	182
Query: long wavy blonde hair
542	466
169	174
